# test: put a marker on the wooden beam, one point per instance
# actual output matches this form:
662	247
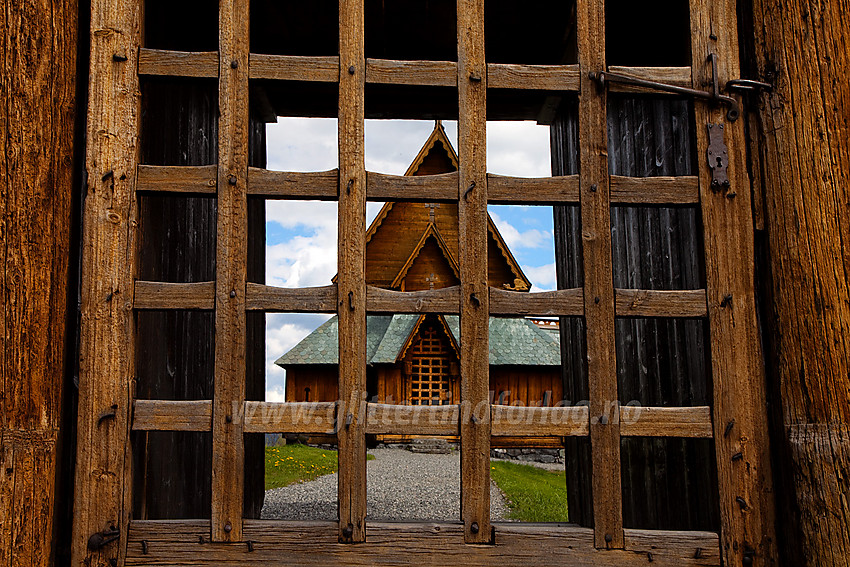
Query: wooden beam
423	73
518	421
678	76
160	62
352	273
445	300
561	302
421	188
261	297
166	415
660	303
598	280
737	364
682	190
290	417
231	272
320	185
102	491
163	295
694	422
177	178
533	191
386	419
279	543
294	68
475	297
564	78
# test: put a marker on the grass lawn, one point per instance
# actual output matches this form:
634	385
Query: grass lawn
288	464
533	494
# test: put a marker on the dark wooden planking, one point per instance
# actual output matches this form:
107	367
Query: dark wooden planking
320	185
163	295
423	73
562	302
351	284
660	303
231	273
682	190
283	543
737	364
562	78
384	419
177	179
168	415
290	300
537	191
475	299
639	421
294	68
106	342
518	421
178	63
426	188
445	300
290	417
678	76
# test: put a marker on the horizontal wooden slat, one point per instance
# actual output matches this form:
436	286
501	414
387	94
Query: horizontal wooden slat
426	73
445	300
167	415
637	421
420	188
318	185
536	77
508	442
658	303
520	421
386	419
291	300
162	295
178	63
177	178
654	190
563	302
290	417
177	543
294	68
677	76
537	191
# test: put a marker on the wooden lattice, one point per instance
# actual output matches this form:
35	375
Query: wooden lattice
429	378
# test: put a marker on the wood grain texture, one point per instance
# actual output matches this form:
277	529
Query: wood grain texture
291	300
351	282
168	415
102	483
162	295
319	185
178	63
382	419
747	530
38	77
417	188
598	280
424	73
294	68
177	179
803	151
445	300
231	273
637	421
518	421
290	417
181	543
472	257
682	190
532	191
564	78
562	302
678	76
660	303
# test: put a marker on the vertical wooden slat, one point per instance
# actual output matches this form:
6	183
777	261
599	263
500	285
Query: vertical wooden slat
472	246
598	280
352	273
746	493
231	272
102	471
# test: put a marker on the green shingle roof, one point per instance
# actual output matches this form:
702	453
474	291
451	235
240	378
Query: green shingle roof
513	341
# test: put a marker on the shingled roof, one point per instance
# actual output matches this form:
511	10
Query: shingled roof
513	341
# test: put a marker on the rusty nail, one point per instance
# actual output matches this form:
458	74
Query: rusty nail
608	538
474	78
144	547
593	188
728	429
727	300
109	414
698	553
107	175
351	300
649	556
201	539
603	419
469	190
228	419
741	502
250	546
738	456
474	299
731	194
351	70
228	528
234	64
473	527
349	186
348	531
119	57
596	300
747	559
348	420
474	419
232	180
232	293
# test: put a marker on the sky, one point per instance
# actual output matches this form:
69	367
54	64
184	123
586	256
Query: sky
301	235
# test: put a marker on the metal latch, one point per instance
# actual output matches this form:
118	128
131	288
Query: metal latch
715	95
100	540
718	157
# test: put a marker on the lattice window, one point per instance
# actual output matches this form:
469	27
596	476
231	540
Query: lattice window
429	378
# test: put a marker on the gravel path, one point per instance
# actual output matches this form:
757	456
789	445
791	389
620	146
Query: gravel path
401	486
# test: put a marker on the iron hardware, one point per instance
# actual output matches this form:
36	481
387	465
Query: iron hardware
473	527
100	540
718	157
748	85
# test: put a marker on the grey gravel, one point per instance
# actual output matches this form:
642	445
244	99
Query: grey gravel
401	486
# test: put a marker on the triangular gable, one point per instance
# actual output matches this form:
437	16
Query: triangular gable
430	232
415	331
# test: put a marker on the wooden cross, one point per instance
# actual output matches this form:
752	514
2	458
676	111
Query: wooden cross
431	279
432	210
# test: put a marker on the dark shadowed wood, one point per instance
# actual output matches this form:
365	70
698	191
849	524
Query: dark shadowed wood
683	190
177	179
178	63
540	191
291	300
283	543
538	77
320	185
563	302
656	303
168	415
428	73
294	68
161	295
427	188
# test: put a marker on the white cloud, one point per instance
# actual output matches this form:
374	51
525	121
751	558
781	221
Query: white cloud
517	239
543	277
302	144
519	149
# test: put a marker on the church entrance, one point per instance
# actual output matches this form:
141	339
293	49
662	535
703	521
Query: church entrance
428	371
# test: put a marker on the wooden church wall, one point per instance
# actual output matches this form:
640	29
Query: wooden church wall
667	483
175	349
322	382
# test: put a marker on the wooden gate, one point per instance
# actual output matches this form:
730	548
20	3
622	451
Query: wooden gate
112	296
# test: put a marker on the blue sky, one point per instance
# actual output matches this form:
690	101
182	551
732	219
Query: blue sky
301	235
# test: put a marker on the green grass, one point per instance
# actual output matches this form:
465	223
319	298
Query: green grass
292	463
533	494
